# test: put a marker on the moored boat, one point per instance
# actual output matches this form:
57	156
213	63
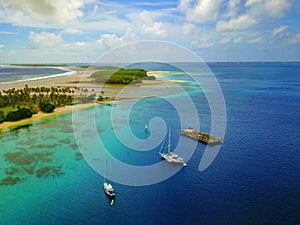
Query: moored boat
108	188
170	156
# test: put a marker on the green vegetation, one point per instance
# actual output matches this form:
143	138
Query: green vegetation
85	98
21	113
100	98
17	104
46	107
120	76
17	127
2	116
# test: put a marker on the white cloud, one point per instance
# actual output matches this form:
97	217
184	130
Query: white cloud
233	8
156	29
80	43
243	22
72	31
279	30
294	38
252	2
146	24
268	8
2	46
188	29
257	40
46	39
244	15
277	8
145	16
199	11
225	40
55	10
130	35
8	33
108	41
204	43
237	39
205	38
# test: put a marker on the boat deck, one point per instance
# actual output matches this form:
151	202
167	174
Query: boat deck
201	136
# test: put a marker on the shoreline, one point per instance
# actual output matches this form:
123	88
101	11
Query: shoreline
80	78
10	125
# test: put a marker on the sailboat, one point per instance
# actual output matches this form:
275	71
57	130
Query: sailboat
108	188
171	157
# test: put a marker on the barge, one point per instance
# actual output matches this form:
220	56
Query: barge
201	136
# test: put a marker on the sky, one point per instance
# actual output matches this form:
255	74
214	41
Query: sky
80	31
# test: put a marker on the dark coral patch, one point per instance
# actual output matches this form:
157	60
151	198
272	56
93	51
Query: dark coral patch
49	146
74	146
9	180
43	156
66	130
11	171
19	158
29	170
23	158
65	141
49	171
78	156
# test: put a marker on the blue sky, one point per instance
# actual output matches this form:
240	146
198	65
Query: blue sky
66	31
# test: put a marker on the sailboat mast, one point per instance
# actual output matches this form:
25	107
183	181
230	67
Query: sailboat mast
105	171
169	144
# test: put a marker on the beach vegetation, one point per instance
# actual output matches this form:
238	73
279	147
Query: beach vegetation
21	113
100	98
85	98
17	104
2	116
46	107
119	76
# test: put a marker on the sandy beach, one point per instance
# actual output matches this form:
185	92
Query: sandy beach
40	115
81	80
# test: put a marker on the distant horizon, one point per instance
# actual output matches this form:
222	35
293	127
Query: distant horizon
129	63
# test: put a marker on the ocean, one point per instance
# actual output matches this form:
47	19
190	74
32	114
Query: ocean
11	74
254	178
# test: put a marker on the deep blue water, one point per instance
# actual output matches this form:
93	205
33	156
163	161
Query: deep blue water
254	179
13	74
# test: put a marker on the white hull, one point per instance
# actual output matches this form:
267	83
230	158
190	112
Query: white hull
109	190
173	158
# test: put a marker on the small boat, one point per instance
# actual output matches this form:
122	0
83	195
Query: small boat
171	157
108	188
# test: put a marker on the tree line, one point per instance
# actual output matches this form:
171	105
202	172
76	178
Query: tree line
16	104
120	76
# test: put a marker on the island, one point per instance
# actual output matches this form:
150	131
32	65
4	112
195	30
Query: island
21	103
